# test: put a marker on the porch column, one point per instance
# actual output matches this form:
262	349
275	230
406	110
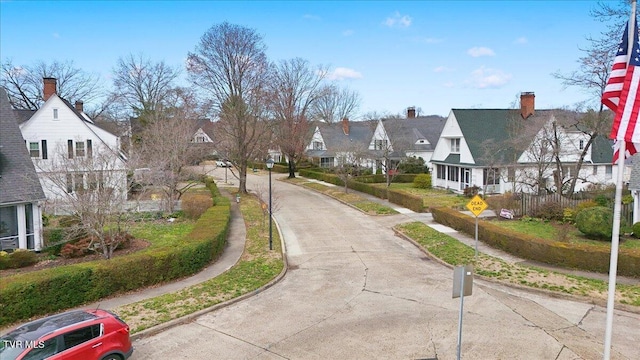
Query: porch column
37	226
636	206
22	226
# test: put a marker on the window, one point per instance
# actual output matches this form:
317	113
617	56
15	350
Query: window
595	170
200	139
380	144
454	174
55	114
44	149
326	162
608	171
581	146
491	176
69	183
79	336
455	145
511	174
79	148
78	182
317	145
441	172
70	149
34	149
43	350
89	148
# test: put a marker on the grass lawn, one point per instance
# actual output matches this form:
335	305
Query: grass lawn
431	197
351	198
554	231
257	266
455	253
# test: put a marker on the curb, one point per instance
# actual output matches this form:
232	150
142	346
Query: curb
557	295
189	318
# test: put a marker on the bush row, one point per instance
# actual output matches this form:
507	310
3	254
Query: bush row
577	256
412	202
33	294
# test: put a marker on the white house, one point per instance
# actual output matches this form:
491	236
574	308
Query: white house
69	151
20	192
491	149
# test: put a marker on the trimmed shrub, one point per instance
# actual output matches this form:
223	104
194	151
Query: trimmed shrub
194	205
636	230
550	210
596	222
471	191
22	258
422	181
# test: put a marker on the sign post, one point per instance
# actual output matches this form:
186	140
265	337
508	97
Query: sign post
462	286
477	206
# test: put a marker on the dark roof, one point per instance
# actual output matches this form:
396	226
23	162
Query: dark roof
206	125
23	115
360	134
18	179
481	125
404	133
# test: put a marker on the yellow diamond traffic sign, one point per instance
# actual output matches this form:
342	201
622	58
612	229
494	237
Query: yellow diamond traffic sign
477	205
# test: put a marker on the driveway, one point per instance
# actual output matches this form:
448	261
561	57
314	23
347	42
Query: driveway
356	291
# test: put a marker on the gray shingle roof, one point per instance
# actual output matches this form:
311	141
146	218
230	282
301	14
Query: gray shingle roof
405	132
18	179
360	134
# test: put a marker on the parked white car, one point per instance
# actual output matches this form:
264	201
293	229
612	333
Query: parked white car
223	163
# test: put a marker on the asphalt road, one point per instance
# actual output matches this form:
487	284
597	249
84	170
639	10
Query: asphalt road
356	291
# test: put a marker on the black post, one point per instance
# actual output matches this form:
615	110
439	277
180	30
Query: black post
270	215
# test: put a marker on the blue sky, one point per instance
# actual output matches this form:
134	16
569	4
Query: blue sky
435	55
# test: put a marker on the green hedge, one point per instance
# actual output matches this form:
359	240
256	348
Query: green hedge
576	256
51	290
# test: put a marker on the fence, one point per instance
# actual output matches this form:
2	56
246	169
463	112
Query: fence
529	203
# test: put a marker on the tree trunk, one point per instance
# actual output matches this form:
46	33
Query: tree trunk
292	168
242	176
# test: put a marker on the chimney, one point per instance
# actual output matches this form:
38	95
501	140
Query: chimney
411	112
50	85
527	104
345	126
79	106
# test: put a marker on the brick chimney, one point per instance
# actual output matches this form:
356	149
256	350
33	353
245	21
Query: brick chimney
79	106
345	126
50	87
411	112
527	104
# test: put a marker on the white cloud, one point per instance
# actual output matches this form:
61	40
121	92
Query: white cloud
397	20
441	69
348	32
485	78
521	40
343	73
480	51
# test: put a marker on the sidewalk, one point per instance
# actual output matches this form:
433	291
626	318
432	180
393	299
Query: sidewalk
229	257
427	218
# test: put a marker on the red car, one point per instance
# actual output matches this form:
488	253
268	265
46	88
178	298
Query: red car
73	335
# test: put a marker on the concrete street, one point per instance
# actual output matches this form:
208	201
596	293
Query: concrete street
354	290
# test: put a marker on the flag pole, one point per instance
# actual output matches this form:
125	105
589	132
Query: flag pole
617	209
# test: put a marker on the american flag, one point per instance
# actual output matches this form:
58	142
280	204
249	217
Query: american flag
611	94
628	103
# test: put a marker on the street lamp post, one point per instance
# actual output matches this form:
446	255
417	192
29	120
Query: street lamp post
270	166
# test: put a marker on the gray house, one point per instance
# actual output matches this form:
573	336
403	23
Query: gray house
20	189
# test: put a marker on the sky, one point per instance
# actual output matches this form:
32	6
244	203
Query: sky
433	55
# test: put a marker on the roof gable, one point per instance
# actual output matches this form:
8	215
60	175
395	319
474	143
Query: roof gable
18	179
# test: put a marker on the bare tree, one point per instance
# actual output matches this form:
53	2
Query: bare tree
350	157
230	65
166	150
294	88
335	104
26	90
142	84
92	187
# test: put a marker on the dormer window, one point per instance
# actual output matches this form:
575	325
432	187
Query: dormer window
55	114
581	146
455	145
317	145
380	144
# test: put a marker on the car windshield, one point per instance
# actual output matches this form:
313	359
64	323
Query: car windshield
10	348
